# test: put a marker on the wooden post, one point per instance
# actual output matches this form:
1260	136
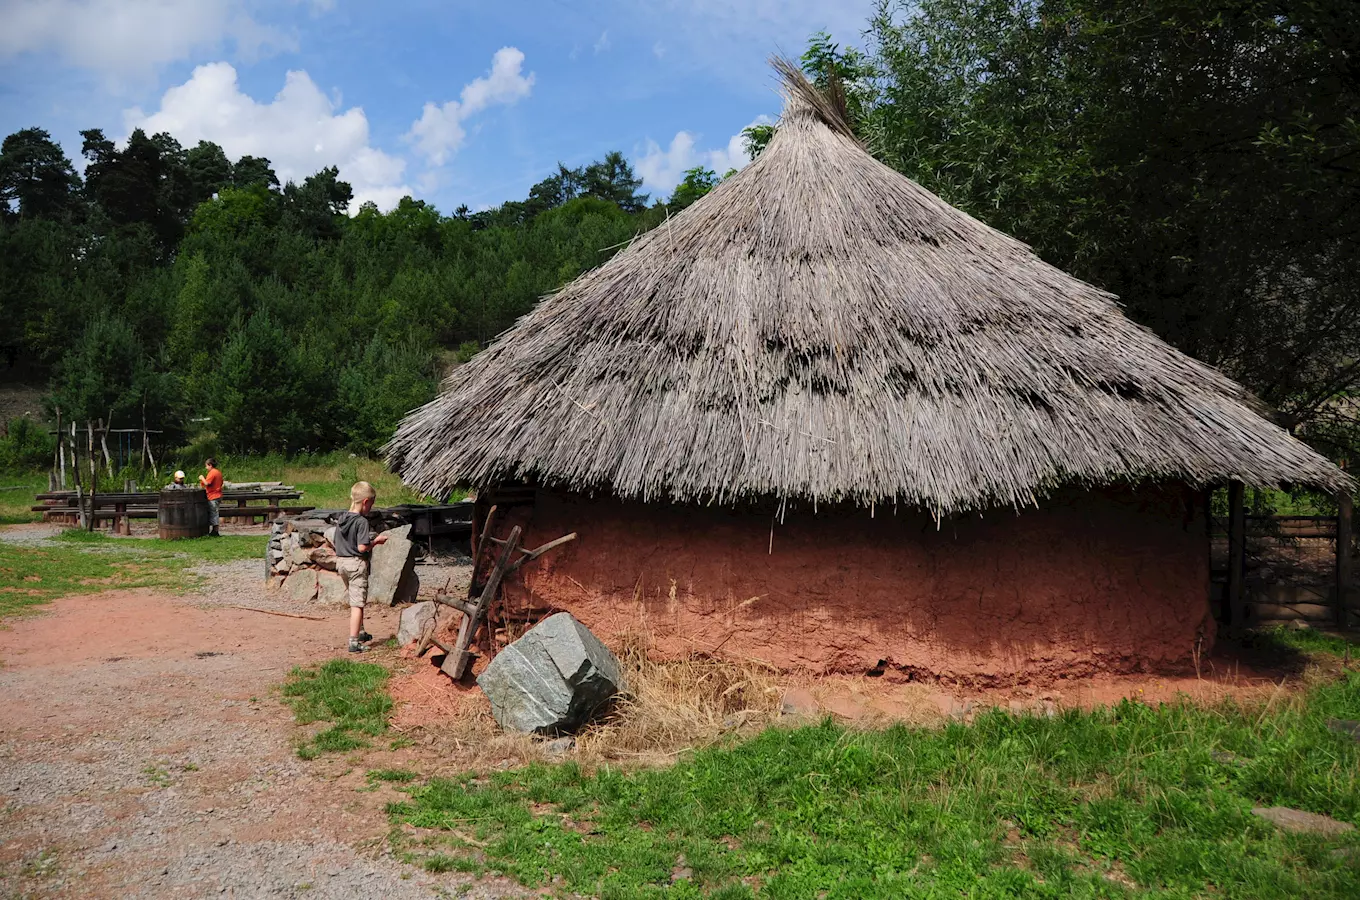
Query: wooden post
1344	512
104	442
61	450
1237	557
75	476
94	473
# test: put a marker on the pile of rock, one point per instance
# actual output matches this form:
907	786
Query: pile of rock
300	560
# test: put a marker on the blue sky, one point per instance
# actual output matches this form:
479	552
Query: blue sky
452	102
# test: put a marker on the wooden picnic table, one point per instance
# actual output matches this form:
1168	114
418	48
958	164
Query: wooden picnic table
121	508
153	498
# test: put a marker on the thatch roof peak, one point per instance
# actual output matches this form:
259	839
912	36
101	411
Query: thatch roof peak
821	327
803	100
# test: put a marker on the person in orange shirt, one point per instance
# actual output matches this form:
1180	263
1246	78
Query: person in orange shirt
212	483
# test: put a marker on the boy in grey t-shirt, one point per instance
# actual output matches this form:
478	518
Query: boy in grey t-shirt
353	542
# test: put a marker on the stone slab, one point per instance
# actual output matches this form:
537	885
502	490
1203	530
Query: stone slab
322	558
388	564
413	622
1298	821
1349	727
330	589
554	679
301	586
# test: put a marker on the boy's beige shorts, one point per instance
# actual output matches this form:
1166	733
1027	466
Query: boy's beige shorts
354	573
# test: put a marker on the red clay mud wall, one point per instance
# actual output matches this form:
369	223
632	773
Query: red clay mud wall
1114	581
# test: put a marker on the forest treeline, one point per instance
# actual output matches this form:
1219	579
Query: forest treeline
1201	160
200	294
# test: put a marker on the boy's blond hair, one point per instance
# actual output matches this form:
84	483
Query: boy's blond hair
362	491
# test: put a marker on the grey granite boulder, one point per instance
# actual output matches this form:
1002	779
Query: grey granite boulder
554	679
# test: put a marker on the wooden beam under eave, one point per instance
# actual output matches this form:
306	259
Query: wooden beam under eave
1344	513
1237	557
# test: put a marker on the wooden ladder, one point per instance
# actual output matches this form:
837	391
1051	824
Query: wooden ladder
458	657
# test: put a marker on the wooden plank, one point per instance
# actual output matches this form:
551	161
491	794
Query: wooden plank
531	555
1344	515
1237	557
463	606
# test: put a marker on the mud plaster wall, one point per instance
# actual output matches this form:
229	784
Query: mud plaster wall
1114	581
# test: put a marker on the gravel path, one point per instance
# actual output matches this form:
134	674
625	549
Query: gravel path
144	753
32	533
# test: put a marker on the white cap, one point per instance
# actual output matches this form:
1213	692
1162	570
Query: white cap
179	474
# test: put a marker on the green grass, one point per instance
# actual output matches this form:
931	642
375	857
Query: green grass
81	562
17	493
1279	641
399	776
1129	801
227	548
351	695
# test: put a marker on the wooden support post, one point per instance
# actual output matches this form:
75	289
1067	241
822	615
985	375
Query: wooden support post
1344	511
94	472
75	476
104	442
56	456
1237	557
61	451
146	441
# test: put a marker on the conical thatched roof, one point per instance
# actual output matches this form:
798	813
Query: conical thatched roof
822	327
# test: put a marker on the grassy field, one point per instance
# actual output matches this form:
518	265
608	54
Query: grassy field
1130	801
79	562
16	496
325	481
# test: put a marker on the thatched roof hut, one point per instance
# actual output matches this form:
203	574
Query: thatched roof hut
823	331
822	327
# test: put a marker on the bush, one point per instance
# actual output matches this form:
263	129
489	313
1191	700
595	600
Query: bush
26	446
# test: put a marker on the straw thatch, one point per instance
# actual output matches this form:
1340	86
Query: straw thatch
822	327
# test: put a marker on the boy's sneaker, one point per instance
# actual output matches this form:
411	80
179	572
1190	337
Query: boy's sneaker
365	637
355	646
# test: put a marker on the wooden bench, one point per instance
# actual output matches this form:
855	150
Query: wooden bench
264	512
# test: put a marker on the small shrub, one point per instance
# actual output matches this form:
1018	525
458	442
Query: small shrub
26	446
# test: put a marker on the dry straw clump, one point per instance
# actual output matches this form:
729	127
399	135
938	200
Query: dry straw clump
675	706
821	327
670	707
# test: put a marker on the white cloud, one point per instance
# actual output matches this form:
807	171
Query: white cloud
301	131
658	50
439	131
602	44
127	37
662	169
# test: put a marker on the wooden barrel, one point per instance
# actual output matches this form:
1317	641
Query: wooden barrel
183	514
